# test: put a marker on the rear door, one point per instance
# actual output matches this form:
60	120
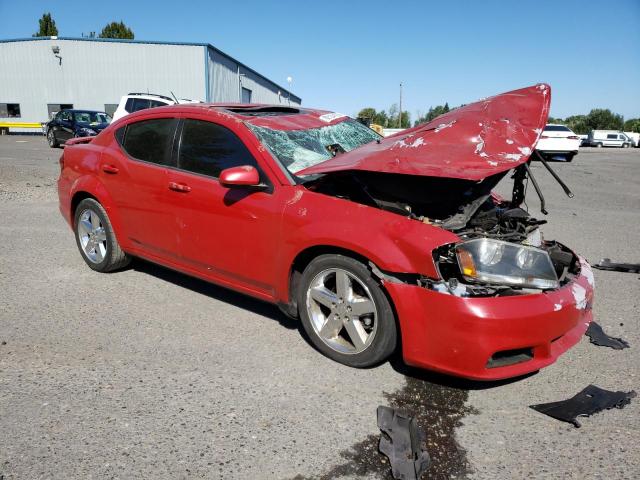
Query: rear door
135	172
229	235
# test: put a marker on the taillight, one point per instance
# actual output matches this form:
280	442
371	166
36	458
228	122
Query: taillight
573	137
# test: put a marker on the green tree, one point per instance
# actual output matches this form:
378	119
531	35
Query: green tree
578	124
368	114
47	27
632	125
555	120
604	119
116	30
433	112
392	121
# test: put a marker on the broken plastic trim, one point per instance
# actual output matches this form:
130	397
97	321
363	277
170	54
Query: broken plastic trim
598	337
589	401
607	264
403	442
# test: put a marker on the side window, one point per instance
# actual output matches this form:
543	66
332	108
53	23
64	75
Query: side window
156	103
208	148
129	105
139	104
612	136
150	140
65	116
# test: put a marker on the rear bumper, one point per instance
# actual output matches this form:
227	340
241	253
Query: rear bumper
459	336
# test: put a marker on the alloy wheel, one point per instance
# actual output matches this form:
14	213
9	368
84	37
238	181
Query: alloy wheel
92	236
342	311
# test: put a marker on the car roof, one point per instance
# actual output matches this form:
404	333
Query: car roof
278	117
81	110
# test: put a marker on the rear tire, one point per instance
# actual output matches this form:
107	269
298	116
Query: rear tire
96	239
598	145
345	312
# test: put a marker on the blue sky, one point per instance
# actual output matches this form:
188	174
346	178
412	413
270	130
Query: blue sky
345	55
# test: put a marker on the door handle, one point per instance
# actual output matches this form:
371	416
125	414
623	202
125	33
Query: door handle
110	169
179	187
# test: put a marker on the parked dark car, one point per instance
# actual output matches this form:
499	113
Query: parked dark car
68	124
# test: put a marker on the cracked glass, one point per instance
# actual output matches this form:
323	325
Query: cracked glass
300	149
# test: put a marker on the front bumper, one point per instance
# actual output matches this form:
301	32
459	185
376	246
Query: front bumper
459	336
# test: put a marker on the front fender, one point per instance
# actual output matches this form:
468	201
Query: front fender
393	242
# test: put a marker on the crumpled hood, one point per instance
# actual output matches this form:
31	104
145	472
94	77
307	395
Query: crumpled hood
471	142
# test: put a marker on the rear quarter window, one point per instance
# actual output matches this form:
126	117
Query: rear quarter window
149	140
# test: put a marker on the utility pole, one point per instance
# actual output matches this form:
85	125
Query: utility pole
400	114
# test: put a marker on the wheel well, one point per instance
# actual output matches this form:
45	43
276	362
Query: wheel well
305	257
76	199
300	263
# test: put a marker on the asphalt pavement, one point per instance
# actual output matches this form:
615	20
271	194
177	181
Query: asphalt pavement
147	373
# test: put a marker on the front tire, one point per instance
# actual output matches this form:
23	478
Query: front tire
51	138
96	239
345	312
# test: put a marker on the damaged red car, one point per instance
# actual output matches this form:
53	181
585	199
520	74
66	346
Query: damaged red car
376	244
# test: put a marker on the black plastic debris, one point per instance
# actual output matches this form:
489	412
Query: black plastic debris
607	264
598	337
402	441
589	401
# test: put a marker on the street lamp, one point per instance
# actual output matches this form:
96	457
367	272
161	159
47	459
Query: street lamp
240	75
289	81
56	51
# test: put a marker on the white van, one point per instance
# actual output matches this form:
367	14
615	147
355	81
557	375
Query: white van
609	138
635	138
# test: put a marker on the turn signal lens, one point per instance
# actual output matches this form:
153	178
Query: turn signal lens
468	267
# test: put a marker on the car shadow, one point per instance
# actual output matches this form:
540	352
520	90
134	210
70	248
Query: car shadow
216	292
271	311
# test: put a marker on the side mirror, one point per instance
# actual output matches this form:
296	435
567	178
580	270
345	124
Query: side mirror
245	175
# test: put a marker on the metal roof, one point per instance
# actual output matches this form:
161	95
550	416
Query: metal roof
155	42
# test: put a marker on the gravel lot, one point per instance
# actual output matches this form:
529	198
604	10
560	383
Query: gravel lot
147	373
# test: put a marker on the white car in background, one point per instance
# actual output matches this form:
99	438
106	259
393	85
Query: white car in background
609	138
634	137
133	102
558	141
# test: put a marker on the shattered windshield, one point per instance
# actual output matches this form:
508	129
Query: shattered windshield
299	149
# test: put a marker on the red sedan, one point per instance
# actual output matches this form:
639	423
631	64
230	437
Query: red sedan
374	243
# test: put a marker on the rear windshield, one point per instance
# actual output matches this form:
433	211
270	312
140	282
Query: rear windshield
556	128
300	149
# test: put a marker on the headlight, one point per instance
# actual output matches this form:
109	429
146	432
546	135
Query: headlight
495	261
87	132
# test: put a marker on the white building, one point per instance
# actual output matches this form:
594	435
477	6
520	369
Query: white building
46	74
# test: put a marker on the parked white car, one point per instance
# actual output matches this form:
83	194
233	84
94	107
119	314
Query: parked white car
634	137
609	138
558	141
133	102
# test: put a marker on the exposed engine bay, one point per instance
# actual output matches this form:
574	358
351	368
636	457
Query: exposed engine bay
471	211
